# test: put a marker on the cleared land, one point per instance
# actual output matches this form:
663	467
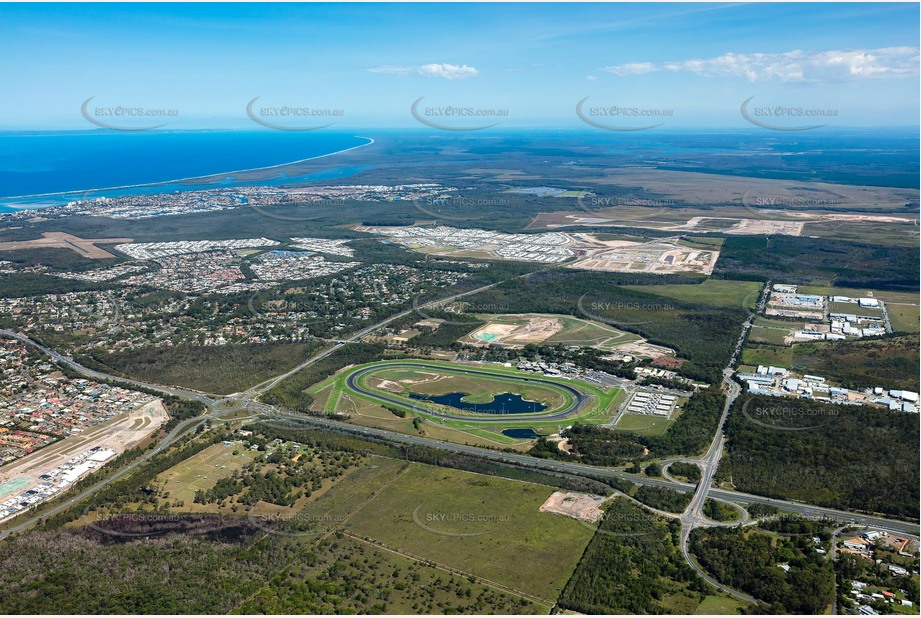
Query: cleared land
584	507
737	196
659	256
201	472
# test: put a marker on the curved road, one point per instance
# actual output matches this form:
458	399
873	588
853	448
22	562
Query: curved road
691	518
580	399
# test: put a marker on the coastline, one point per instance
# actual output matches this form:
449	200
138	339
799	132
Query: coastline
180	180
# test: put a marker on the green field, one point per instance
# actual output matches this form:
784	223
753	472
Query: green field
646	424
904	318
202	471
477	524
855	309
711	292
772	331
768	355
479	390
719	605
589	333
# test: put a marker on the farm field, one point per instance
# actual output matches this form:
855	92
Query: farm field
456	518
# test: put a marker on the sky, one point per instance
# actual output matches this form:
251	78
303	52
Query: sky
68	66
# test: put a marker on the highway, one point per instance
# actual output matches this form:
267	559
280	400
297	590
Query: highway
691	518
580	400
291	420
693	515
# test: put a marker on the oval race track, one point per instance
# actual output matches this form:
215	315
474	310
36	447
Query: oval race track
581	400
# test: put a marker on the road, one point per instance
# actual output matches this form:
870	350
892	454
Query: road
269	384
693	515
290	420
580	400
691	518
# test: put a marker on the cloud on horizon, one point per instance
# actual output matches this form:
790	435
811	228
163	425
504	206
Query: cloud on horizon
793	66
446	71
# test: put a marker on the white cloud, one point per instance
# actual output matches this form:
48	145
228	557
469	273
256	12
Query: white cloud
446	71
632	68
591	78
793	66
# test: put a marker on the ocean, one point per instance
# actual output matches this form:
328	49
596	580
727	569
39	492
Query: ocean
60	166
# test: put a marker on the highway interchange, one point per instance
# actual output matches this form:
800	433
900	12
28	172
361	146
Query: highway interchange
690	519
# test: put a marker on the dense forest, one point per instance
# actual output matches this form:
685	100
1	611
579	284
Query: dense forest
632	566
748	561
290	392
687	471
801	259
663	498
220	369
845	457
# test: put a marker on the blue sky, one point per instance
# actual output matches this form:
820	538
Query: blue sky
698	62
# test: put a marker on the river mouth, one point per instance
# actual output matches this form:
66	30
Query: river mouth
503	403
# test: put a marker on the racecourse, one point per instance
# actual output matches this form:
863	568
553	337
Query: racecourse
576	400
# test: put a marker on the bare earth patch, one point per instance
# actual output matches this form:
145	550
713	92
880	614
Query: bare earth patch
578	506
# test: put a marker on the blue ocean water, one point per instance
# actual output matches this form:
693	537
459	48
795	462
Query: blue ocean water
59	165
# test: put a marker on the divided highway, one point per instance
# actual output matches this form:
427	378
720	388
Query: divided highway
691	518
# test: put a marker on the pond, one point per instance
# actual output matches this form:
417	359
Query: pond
525	434
505	403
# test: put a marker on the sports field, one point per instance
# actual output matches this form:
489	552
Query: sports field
516	330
